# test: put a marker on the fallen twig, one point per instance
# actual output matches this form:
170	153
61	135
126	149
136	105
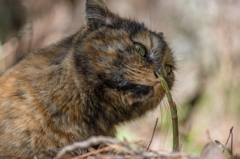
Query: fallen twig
140	154
222	146
152	134
104	149
95	140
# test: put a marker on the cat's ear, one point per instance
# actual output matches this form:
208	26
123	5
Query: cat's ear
97	14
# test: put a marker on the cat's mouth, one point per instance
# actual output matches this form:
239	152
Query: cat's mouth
158	91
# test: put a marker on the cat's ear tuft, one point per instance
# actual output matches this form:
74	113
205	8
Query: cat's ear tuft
97	14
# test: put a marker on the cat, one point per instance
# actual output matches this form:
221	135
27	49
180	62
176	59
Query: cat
82	86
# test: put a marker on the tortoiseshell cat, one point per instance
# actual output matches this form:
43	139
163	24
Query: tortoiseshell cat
82	86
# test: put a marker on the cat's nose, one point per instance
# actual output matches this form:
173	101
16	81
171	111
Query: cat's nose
158	70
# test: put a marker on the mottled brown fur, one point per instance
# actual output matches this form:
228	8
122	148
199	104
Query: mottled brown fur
82	86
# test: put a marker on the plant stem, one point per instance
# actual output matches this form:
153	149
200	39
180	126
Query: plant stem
173	109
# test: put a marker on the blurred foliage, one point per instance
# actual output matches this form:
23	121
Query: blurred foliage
12	18
204	36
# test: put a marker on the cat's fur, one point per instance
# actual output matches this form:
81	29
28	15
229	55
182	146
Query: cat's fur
82	86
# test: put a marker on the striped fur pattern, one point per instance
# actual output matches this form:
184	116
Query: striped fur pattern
81	86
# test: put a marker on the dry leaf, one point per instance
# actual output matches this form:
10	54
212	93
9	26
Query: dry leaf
212	151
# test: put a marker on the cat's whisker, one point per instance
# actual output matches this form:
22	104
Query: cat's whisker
180	107
165	121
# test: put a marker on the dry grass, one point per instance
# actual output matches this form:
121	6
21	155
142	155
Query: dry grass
116	149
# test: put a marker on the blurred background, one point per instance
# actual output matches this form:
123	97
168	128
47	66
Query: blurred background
205	38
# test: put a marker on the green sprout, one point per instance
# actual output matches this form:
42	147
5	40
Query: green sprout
173	109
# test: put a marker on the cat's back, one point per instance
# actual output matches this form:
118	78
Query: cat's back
16	84
18	81
23	120
15	99
13	88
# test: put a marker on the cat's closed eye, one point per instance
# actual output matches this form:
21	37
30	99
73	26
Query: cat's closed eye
168	69
140	49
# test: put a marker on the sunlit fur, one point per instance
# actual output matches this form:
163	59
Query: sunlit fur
82	86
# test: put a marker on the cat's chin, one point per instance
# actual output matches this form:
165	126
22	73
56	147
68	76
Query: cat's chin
158	91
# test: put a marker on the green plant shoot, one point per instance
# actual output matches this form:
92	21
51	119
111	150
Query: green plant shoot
173	109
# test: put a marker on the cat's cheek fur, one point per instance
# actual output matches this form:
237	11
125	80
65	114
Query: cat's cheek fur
158	91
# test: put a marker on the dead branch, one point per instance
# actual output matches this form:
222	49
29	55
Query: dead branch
152	134
113	143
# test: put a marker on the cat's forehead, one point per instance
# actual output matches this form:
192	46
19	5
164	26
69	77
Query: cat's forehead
155	44
140	33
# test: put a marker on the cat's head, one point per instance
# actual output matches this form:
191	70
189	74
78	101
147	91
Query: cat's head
116	60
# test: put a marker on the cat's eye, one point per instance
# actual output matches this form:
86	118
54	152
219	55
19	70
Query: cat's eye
140	49
167	69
